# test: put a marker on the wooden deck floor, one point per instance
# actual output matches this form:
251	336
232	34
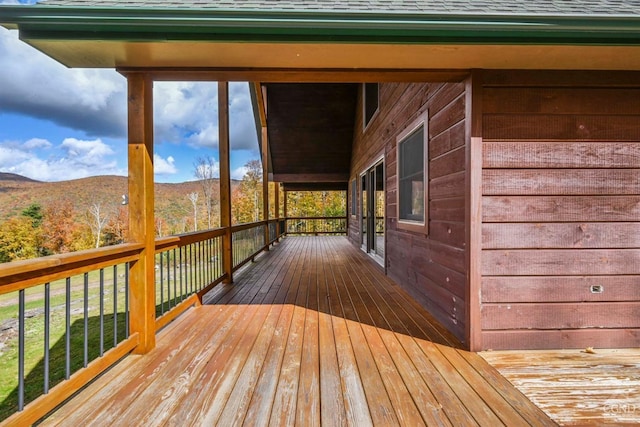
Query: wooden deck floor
311	334
577	387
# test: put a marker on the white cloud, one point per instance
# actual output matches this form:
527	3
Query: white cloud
187	112
238	173
33	84
36	143
76	159
164	166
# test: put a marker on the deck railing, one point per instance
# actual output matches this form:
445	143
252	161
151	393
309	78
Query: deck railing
72	320
71	311
316	225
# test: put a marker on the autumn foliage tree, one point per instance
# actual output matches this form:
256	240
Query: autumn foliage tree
246	201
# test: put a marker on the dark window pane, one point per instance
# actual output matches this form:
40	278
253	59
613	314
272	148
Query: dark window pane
370	101
411	176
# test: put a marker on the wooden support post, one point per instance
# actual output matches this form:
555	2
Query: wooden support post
225	178
284	210
141	200
276	202
265	185
473	210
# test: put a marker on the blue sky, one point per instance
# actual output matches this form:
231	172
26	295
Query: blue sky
58	123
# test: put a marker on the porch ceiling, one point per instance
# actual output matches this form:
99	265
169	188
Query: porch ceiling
310	130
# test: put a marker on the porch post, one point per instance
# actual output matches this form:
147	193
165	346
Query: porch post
284	212
265	185
225	179
141	202
276	202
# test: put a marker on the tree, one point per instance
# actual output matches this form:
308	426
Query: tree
247	197
58	224
117	229
204	169
193	197
34	211
18	239
97	219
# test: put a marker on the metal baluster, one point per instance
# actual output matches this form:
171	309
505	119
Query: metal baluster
126	300
200	270
181	272
161	286
191	272
115	305
21	350
67	342
175	278
169	282
101	312
86	319
47	334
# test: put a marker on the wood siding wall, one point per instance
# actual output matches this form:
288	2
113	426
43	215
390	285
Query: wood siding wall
432	268
561	211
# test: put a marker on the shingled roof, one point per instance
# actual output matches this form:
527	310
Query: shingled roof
511	7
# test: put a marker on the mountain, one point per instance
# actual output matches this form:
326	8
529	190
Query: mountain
18	192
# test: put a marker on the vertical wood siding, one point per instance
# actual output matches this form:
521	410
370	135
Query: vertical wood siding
432	268
561	213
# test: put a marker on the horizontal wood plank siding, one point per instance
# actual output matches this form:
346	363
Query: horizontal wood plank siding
561	212
432	268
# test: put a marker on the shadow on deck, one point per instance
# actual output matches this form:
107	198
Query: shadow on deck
312	333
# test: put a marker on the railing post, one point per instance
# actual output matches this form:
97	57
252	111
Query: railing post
265	185
225	179
141	204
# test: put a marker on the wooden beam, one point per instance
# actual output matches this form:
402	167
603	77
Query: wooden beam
265	184
225	178
288	75
141	205
262	107
473	210
311	177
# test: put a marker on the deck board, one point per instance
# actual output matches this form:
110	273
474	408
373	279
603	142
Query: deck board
311	333
577	387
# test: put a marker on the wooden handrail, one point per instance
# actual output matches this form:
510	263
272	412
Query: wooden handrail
313	217
247	226
18	275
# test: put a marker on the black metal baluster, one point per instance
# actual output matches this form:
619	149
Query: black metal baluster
47	334
21	350
101	312
161	286
169	282
115	305
86	319
67	340
175	278
181	265
126	300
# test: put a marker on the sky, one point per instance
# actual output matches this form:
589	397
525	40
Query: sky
58	123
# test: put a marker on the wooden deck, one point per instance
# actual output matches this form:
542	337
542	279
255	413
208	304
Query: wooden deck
313	333
577	387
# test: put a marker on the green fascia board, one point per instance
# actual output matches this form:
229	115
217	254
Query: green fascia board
155	24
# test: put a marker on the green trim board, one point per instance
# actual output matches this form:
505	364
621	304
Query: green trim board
43	22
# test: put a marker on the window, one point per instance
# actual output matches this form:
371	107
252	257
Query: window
413	176
354	197
369	102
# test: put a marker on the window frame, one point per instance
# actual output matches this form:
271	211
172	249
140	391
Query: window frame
405	224
365	122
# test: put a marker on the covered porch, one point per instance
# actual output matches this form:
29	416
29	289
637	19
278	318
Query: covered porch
311	333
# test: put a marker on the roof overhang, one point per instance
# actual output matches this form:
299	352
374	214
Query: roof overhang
144	37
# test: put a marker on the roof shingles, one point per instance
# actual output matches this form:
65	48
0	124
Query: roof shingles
510	7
